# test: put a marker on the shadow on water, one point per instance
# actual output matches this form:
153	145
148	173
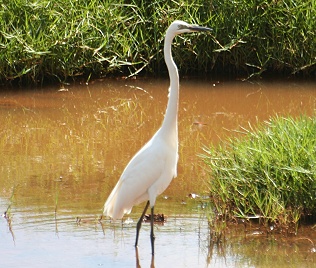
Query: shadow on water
62	152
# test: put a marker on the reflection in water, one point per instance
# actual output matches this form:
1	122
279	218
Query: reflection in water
6	216
63	152
152	263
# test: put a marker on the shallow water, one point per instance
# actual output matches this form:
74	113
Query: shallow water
63	149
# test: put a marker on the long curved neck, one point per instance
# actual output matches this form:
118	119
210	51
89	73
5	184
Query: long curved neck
171	116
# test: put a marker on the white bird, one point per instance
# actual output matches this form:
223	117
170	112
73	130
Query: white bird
152	169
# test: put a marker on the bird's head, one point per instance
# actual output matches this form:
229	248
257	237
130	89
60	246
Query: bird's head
179	27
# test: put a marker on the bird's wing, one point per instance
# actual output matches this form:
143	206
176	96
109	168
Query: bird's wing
145	169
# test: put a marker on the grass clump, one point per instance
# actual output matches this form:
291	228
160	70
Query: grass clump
57	40
269	174
265	36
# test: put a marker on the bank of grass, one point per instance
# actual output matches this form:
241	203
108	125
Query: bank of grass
57	40
268	174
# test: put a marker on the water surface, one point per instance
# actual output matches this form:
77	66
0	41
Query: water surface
63	150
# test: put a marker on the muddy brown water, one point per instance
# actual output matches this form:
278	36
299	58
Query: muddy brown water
63	149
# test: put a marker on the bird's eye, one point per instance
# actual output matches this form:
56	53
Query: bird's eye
181	27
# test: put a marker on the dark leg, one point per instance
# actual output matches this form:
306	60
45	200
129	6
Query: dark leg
139	223
152	236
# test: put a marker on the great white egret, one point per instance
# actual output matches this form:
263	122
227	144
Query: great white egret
151	170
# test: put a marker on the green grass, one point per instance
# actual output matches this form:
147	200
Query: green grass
43	41
270	173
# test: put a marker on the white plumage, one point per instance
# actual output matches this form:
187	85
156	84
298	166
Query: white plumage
152	169
146	176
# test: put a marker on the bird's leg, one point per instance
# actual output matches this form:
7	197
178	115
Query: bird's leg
137	258
139	223
152	236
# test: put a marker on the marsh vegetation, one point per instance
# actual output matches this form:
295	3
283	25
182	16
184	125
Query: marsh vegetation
266	173
44	41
